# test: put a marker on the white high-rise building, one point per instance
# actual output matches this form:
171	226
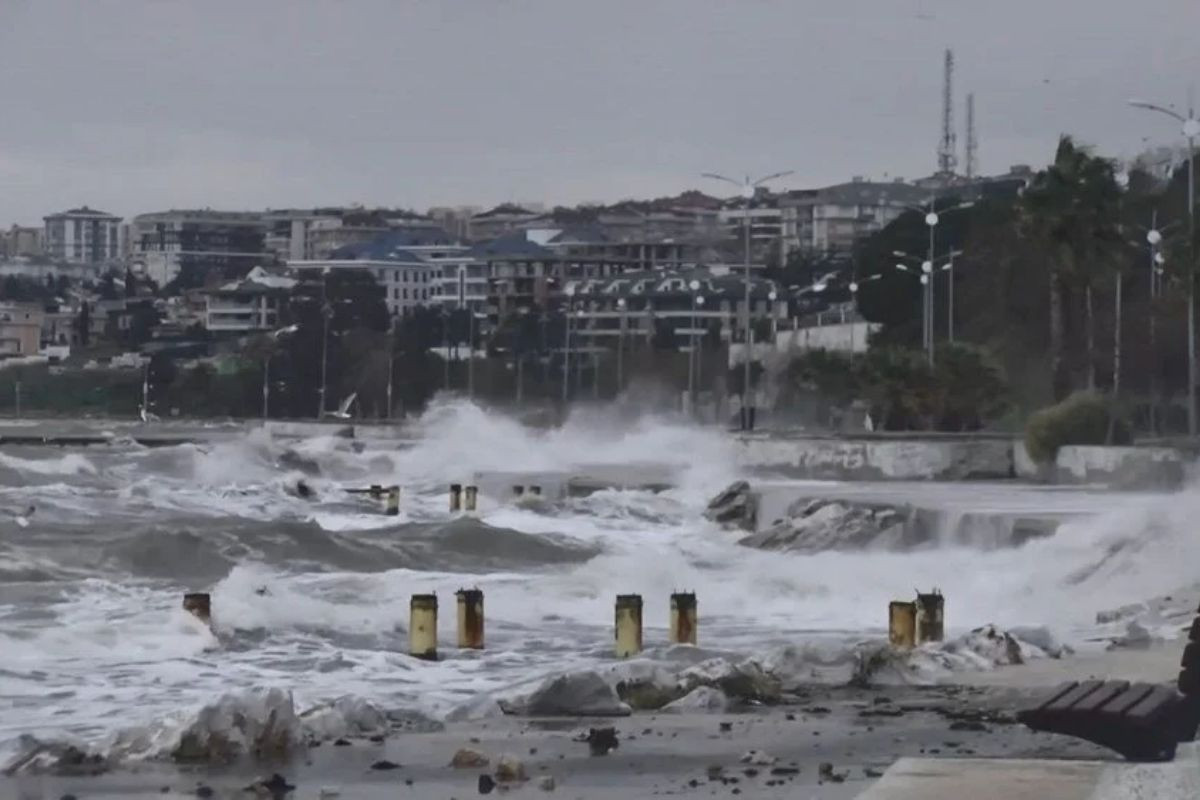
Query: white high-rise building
83	236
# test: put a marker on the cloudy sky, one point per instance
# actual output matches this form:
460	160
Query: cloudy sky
135	106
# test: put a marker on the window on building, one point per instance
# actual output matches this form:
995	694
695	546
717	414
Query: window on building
406	294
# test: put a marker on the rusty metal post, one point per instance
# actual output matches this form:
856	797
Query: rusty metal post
931	617
422	627
683	618
535	490
199	605
902	624
376	491
470	498
629	625
393	501
470	619
455	497
518	490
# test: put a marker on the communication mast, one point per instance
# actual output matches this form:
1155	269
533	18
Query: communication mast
972	142
948	149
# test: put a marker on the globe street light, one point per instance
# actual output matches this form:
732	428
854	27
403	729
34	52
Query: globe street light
747	188
1190	128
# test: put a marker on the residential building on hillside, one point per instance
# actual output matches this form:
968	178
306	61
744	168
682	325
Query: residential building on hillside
20	330
313	234
766	221
197	243
502	219
407	264
22	242
250	304
82	236
648	304
835	217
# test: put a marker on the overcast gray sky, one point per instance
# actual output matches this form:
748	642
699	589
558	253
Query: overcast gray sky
136	106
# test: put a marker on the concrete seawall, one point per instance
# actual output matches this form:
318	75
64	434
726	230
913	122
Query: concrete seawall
953	459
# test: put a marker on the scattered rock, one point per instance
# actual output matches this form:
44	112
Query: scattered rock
546	783
872	773
736	506
602	740
1136	637
702	699
486	784
469	759
647	695
757	758
204	791
261	724
577	694
816	525
750	772
816	710
328	793
715	772
510	769
275	787
725	727
341	742
825	774
785	771
384	764
969	725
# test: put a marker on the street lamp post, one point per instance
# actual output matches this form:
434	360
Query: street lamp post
1190	127
747	188
326	314
391	364
949	270
694	285
621	304
566	385
854	287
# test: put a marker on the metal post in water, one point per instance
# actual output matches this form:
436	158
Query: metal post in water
902	624
199	605
470	498
683	618
518	490
422	627
455	497
628	625
535	490
470	619
931	617
393	501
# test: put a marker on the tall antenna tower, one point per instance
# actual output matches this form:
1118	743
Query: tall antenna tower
948	149
972	142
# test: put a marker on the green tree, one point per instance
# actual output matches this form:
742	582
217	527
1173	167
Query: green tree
1071	209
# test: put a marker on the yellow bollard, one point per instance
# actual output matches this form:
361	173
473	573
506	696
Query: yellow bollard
393	501
199	605
902	624
422	627
455	497
535	490
470	619
629	625
376	491
683	618
931	617
470	497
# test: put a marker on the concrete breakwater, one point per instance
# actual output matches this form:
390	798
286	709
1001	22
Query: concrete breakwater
961	458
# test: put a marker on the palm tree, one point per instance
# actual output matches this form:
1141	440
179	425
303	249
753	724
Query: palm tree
1071	208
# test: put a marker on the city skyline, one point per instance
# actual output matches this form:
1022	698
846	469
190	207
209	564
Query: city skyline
154	106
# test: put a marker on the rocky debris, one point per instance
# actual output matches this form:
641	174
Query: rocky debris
1118	614
781	771
735	507
546	783
466	758
384	765
702	699
757	758
486	784
715	772
204	791
647	694
817	525
54	757
576	694
260	724
982	649
345	716
510	769
275	787
968	725
1136	637
825	774
328	793
871	772
746	681
601	741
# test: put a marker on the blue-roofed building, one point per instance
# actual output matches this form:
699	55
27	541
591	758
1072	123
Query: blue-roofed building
406	263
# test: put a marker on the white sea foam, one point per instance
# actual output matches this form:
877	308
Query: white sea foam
125	652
